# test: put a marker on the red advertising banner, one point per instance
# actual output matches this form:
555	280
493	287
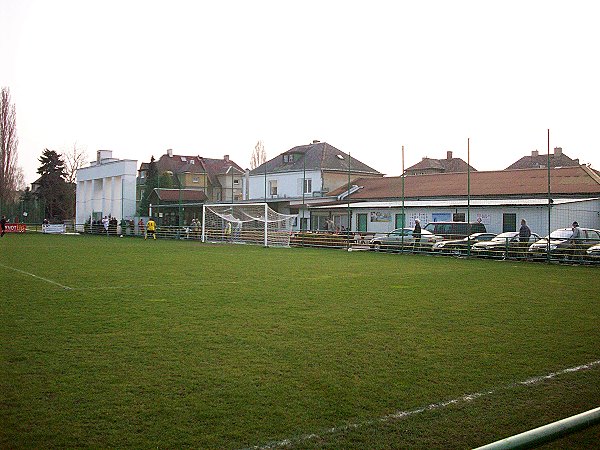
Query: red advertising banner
15	228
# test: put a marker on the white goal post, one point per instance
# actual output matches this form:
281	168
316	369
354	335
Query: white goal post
246	223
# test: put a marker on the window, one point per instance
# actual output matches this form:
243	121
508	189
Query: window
307	185
509	222
236	181
196	180
143	174
273	187
289	158
192	161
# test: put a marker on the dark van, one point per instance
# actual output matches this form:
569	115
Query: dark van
455	230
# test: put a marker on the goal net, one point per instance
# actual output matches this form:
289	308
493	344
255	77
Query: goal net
251	223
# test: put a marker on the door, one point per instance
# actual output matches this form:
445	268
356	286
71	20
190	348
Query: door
400	220
362	222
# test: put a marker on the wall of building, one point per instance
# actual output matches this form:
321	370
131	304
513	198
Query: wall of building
108	188
289	184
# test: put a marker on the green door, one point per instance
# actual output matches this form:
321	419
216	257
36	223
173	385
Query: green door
400	221
362	222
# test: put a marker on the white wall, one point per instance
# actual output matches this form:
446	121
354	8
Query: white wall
586	213
289	184
109	188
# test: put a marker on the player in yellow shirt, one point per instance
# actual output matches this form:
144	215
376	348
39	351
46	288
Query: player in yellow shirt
150	229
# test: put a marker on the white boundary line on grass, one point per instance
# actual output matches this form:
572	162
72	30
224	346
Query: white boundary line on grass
67	288
401	414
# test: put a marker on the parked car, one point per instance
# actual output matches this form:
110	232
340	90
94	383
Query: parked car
461	246
561	244
504	245
402	238
455	230
593	252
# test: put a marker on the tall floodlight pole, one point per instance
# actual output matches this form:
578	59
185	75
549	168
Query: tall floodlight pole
468	195
231	167
549	199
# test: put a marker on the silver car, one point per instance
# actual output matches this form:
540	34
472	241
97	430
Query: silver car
403	238
593	252
561	244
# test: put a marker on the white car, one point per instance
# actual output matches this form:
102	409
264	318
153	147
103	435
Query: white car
593	251
403	238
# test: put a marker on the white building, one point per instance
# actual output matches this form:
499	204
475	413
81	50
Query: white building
106	188
303	176
498	199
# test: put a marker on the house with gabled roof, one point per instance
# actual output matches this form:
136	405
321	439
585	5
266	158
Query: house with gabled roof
303	175
537	161
431	165
499	199
191	180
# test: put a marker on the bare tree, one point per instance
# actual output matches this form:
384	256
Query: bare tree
259	156
9	171
74	158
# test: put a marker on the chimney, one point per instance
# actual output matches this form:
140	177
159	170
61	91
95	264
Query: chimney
557	151
535	154
226	158
449	154
170	152
315	141
103	154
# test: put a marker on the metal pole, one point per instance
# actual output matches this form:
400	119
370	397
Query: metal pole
468	195
303	189
349	212
549	199
547	433
266	225
403	213
179	225
203	223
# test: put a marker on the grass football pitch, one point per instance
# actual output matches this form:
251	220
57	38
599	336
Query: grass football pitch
114	343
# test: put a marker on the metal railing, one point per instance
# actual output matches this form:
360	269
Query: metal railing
547	433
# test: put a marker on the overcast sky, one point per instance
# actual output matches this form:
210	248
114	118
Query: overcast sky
211	78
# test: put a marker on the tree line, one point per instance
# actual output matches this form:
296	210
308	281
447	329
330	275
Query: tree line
54	190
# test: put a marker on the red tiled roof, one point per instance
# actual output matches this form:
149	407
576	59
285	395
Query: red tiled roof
440	165
187	195
578	180
537	161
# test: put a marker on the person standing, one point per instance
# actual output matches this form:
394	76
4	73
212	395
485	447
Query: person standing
150	229
105	222
2	226
575	237
417	235
524	235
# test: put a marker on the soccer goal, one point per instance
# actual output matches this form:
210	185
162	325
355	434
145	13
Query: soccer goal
246	223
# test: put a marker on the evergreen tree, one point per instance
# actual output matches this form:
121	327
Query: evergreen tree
54	189
150	185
